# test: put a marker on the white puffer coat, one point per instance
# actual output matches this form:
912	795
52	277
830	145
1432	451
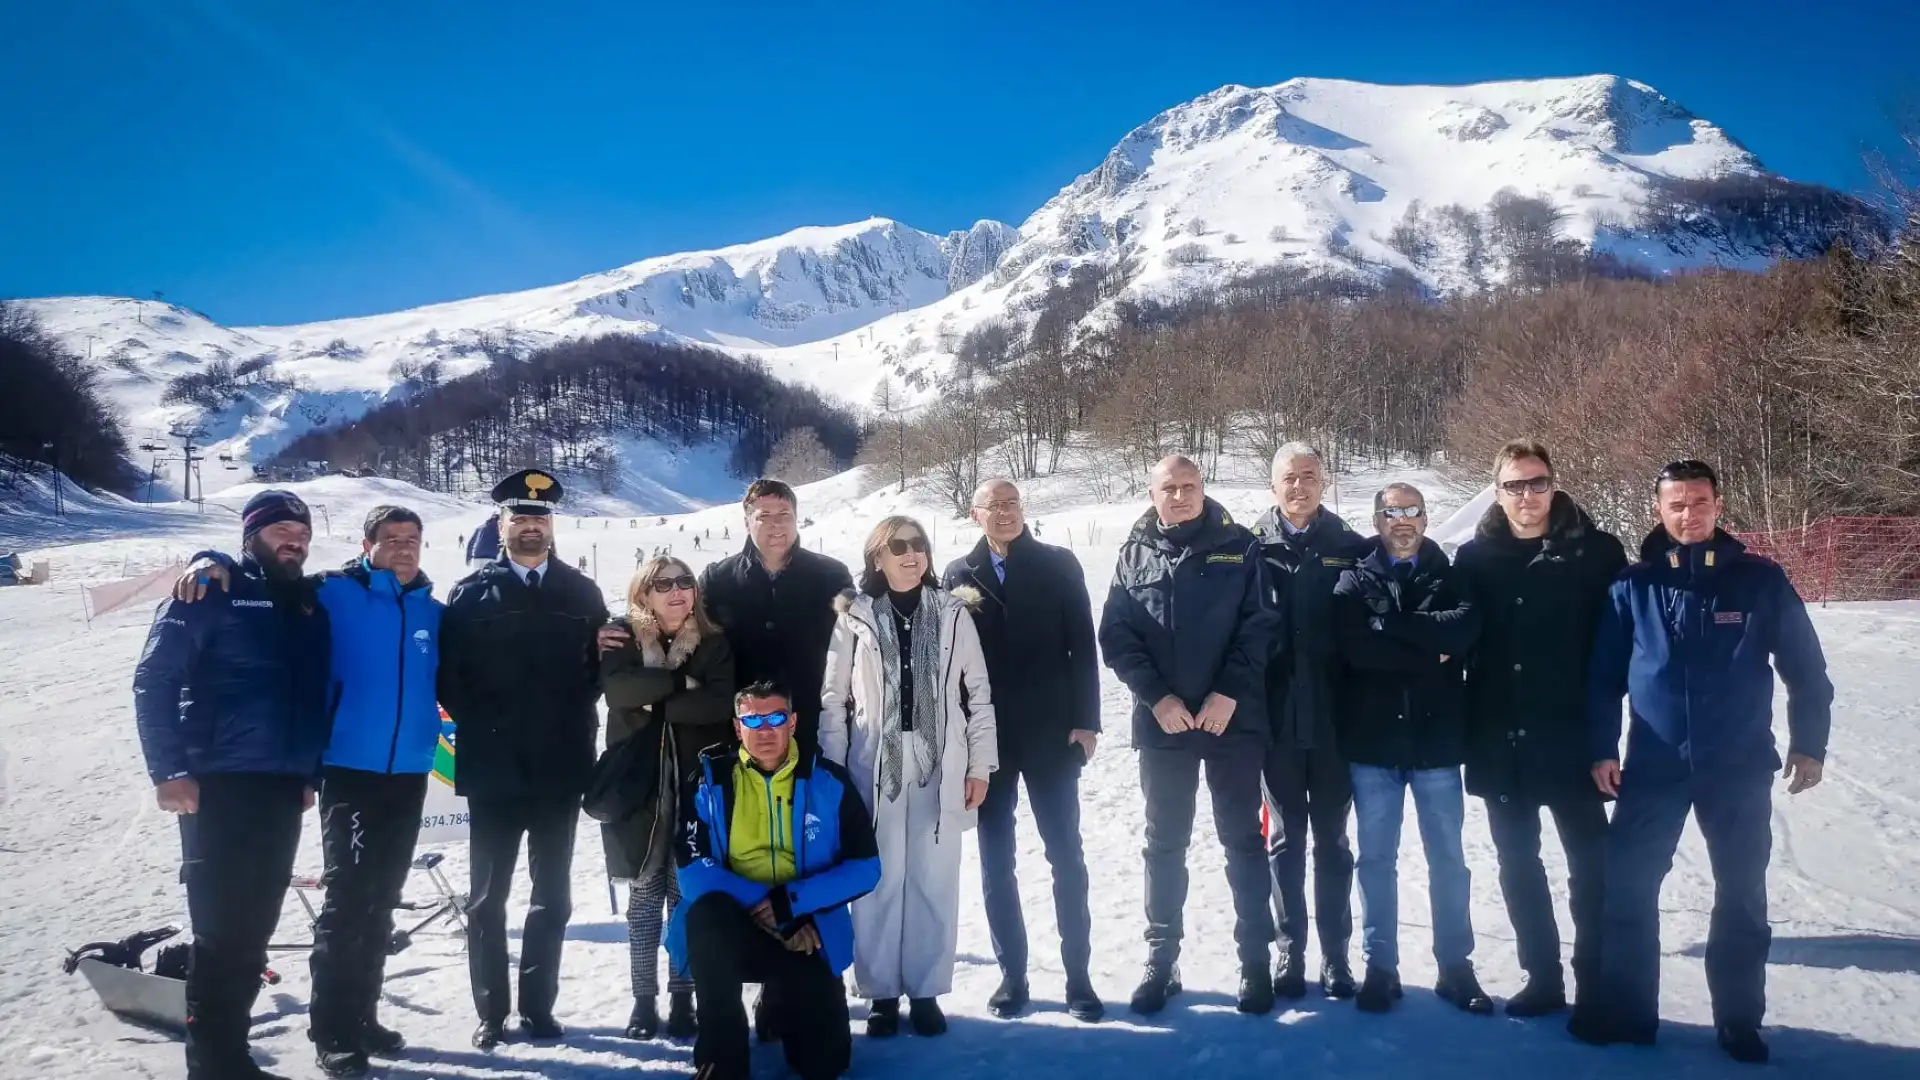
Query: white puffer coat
850	701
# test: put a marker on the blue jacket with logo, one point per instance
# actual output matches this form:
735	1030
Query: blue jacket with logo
835	858
1692	634
236	683
386	653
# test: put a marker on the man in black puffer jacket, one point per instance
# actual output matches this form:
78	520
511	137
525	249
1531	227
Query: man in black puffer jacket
520	676
774	601
1187	630
1403	629
1304	548
1538	570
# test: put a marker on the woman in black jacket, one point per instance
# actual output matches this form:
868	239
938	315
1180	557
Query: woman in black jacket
671	680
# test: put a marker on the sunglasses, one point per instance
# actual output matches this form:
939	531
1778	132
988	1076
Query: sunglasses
668	584
756	721
1402	512
1539	485
900	547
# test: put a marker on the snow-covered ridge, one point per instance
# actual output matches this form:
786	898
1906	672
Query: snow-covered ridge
1313	173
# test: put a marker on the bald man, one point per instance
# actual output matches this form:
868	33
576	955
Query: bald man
1197	700
1036	628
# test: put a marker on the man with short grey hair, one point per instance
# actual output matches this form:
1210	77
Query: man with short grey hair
1304	548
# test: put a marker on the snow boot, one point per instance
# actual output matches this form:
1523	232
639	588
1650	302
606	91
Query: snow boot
1010	998
1256	990
928	1019
1378	993
542	1028
1161	982
487	1035
343	1063
1461	988
883	1018
682	1023
1743	1043
1540	997
1336	978
1596	1027
1290	977
379	1041
644	1022
1082	1003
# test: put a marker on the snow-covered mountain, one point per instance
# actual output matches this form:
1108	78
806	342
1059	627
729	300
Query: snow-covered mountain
1316	173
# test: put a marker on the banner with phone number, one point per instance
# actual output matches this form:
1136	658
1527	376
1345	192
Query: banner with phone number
443	817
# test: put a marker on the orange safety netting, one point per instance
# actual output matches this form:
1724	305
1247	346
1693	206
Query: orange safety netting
1847	558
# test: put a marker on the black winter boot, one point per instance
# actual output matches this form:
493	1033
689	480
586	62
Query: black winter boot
883	1018
342	1063
1378	993
1256	990
682	1021
928	1019
1009	998
1336	978
1743	1043
1160	982
1290	977
644	1022
1540	997
1082	1003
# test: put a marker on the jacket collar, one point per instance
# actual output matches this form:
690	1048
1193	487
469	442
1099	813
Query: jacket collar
1431	558
1662	550
1567	525
363	572
1320	533
1216	526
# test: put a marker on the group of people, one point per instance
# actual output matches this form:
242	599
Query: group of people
792	754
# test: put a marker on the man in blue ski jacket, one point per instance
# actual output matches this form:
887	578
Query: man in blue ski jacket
1692	634
386	724
232	700
774	843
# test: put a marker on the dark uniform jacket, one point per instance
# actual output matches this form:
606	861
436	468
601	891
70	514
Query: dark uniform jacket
520	676
1692	634
1190	620
1539	602
1399	705
1301	570
1037	633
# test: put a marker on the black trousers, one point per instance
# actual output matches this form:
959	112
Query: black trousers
368	825
548	824
1582	824
1053	791
237	862
1310	791
726	950
1170	780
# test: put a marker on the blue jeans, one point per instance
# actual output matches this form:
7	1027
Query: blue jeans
1440	805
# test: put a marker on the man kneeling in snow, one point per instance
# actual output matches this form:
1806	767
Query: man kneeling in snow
765	880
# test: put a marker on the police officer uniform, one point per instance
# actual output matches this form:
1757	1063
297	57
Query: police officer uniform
519	675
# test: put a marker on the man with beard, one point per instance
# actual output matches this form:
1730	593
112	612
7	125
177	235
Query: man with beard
1538	570
1304	548
1036	629
1196	701
231	698
1403	628
519	675
386	726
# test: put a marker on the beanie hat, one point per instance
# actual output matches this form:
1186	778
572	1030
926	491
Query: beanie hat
271	508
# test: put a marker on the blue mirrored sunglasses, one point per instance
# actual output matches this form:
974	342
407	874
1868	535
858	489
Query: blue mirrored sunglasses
756	721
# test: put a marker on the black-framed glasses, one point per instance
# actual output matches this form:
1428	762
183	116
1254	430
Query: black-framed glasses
756	721
1402	512
898	547
668	584
1539	485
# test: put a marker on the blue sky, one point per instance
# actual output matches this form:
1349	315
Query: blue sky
283	162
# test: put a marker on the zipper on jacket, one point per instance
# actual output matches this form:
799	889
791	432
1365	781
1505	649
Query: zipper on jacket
400	683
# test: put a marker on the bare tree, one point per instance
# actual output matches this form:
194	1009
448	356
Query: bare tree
800	457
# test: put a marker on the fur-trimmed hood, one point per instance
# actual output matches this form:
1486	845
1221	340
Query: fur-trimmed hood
645	628
1567	524
965	596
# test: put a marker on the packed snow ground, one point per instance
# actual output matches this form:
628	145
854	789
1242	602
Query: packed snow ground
84	854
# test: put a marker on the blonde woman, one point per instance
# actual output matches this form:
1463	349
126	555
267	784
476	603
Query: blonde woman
668	677
907	709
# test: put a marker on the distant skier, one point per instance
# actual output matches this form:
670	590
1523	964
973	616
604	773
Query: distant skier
231	703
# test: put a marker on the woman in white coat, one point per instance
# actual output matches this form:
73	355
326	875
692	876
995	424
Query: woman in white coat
906	708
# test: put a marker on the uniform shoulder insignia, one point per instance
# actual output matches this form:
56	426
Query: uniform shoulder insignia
1336	561
1223	558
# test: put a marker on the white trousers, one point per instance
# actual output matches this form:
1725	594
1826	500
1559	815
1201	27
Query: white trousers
905	930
